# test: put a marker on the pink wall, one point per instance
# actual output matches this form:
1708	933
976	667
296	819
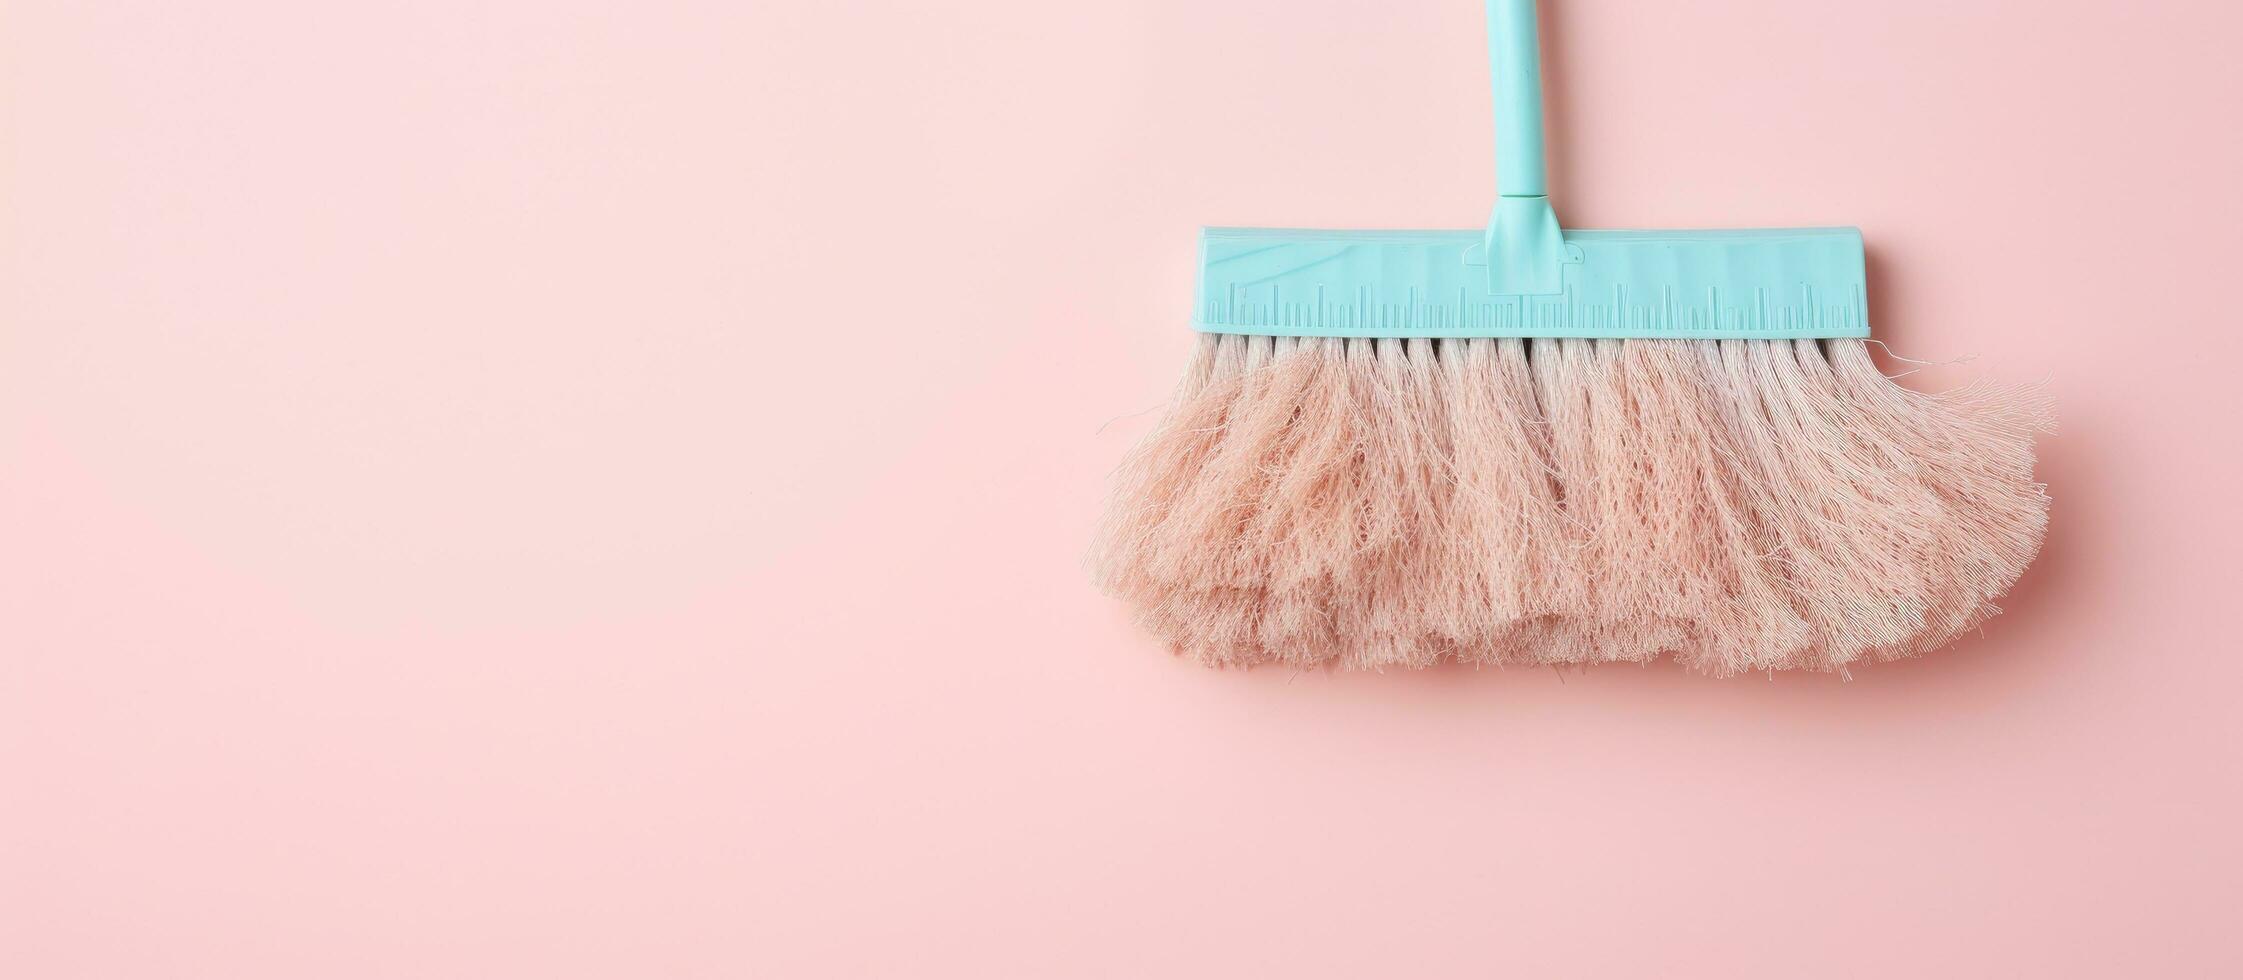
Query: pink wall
566	489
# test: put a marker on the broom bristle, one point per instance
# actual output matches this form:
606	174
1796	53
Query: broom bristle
1737	505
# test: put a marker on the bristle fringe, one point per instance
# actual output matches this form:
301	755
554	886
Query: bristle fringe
1737	505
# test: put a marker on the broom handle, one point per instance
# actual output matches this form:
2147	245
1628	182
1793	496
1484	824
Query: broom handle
1525	250
1517	73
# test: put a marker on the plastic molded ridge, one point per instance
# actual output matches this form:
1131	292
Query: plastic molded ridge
1762	284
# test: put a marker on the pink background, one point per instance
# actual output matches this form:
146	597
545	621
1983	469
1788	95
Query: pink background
561	489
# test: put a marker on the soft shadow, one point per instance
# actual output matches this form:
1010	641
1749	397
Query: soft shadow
1895	335
1884	295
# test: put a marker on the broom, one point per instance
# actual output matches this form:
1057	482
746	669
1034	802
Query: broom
1536	446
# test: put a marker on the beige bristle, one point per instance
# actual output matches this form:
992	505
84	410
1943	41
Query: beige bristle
1737	505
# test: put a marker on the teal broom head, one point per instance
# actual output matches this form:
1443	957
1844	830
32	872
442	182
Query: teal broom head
1526	444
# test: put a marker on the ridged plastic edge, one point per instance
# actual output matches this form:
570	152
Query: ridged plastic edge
1786	283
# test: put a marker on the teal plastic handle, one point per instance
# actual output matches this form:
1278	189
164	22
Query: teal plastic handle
1517	77
1526	253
